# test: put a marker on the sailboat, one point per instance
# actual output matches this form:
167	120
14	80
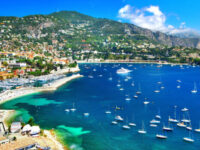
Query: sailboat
142	131
73	109
167	128
181	124
198	130
195	89
174	120
119	118
189	127
132	123
185	120
161	136
184	109
126	126
158	116
188	139
154	121
139	90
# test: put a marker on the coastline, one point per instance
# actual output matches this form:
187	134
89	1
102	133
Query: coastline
13	94
132	62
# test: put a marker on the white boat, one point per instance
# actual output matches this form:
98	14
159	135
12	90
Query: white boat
121	89
167	128
142	131
197	130
181	124
108	112
132	124
119	118
118	85
132	84
146	102
160	136
195	89
185	120
90	76
110	78
153	125
162	87
178	86
174	120
154	121
114	122
138	92
73	109
189	138
123	71
128	99
184	109
125	127
67	110
158	117
135	96
86	114
156	91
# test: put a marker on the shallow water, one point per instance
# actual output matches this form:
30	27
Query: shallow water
98	94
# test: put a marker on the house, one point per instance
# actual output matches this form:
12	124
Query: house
15	127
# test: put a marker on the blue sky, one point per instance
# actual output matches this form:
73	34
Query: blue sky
168	14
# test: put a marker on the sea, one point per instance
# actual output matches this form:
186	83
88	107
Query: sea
77	110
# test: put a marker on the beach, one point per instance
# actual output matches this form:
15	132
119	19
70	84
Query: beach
8	95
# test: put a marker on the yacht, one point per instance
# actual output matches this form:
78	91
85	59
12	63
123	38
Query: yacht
178	86
167	128
114	122
153	125
174	120
184	109
189	138
195	89
123	71
146	102
108	112
125	127
86	114
158	116
119	118
157	91
128	99
181	124
121	89
142	131
197	130
67	110
132	124
161	136
135	96
154	121
73	109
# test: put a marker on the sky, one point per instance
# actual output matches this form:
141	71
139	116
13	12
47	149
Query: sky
171	16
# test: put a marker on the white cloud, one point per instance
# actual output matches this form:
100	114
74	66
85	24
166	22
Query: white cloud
151	18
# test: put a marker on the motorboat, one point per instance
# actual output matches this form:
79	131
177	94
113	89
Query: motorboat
123	71
161	136
154	121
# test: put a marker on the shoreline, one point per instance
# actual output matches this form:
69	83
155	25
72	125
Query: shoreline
131	62
12	94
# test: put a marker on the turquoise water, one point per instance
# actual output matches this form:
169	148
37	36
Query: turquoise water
98	94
